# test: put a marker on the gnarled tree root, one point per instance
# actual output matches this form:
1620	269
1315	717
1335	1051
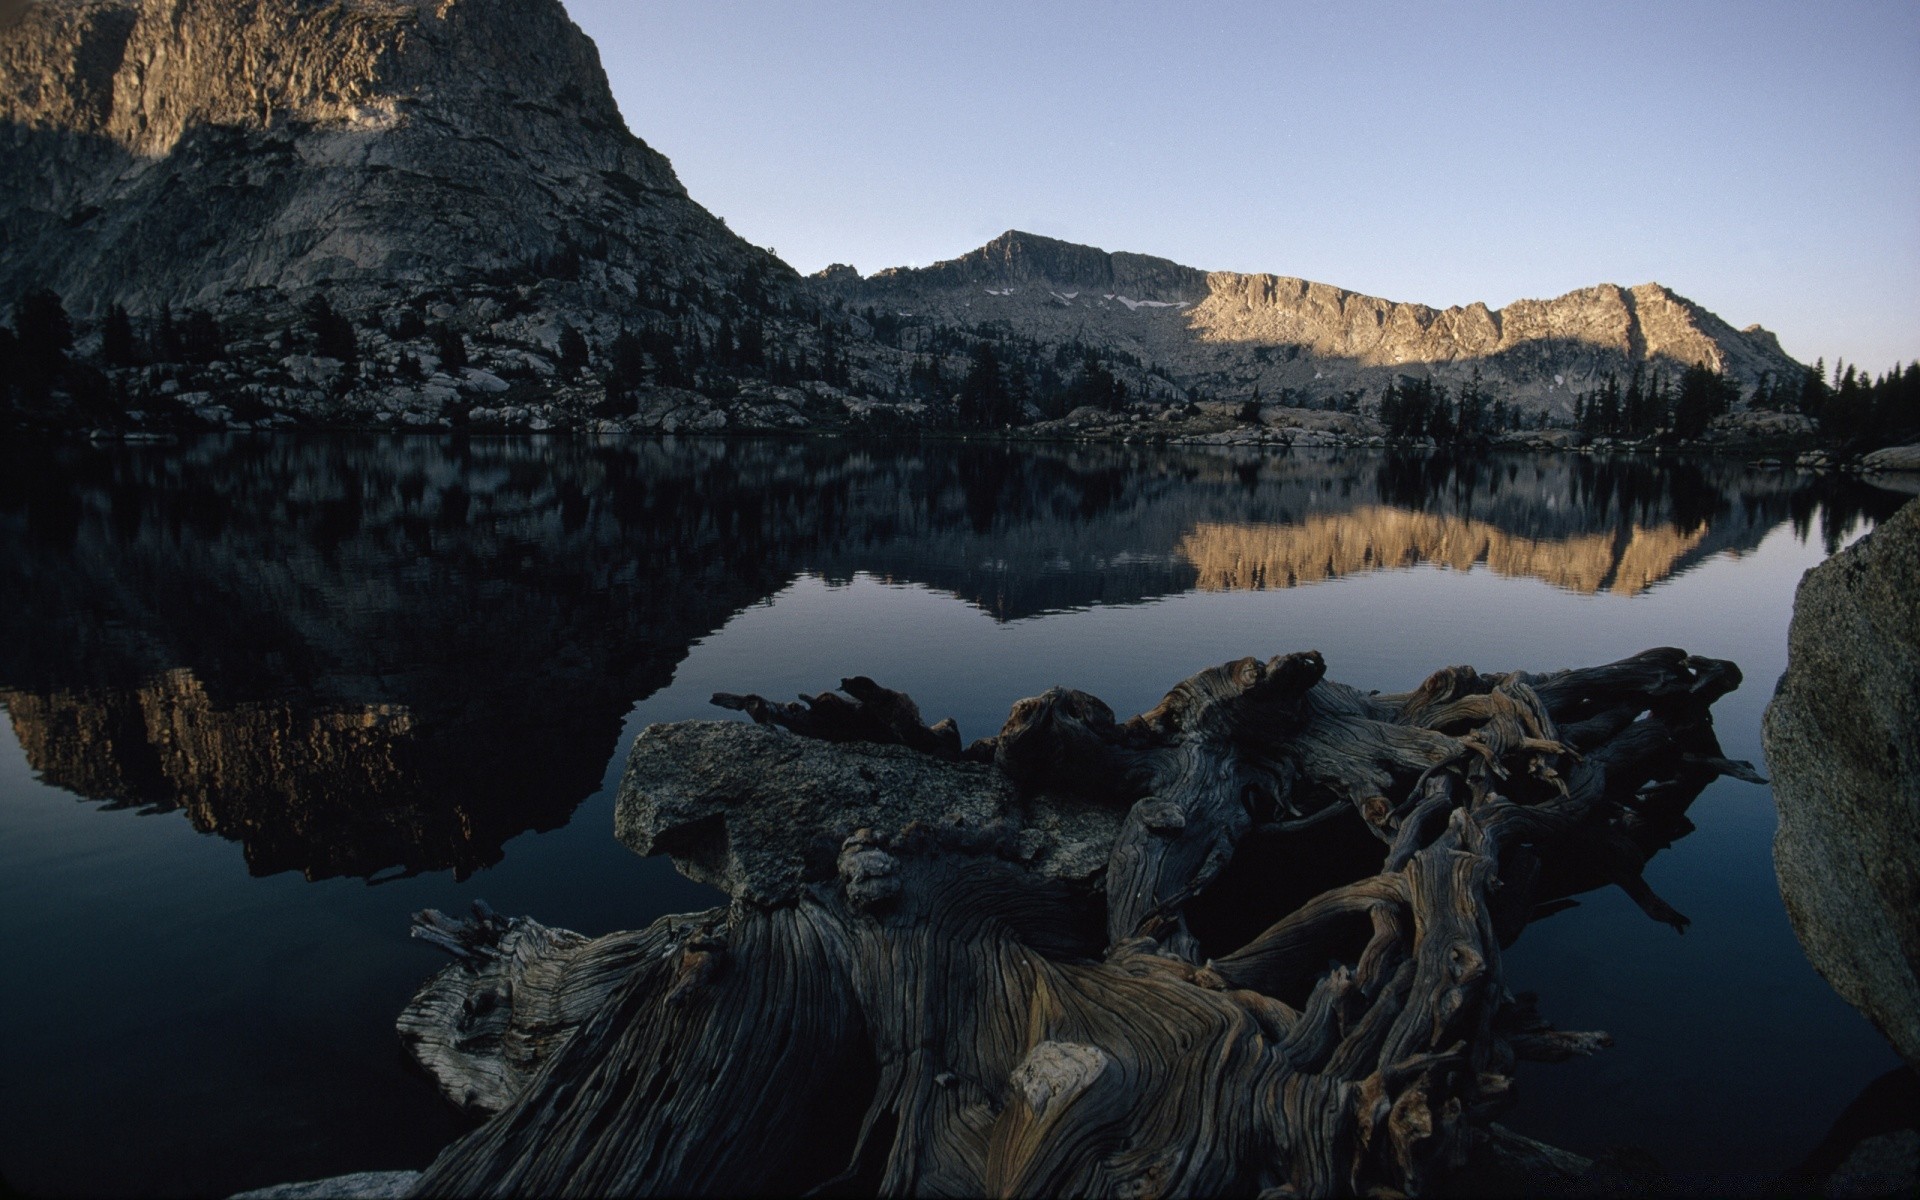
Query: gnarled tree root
1006	970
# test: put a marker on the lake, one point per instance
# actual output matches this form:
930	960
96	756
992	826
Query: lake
269	695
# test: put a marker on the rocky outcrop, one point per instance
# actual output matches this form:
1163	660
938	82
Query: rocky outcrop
1026	259
439	167
1230	334
1841	738
1893	458
198	152
366	1185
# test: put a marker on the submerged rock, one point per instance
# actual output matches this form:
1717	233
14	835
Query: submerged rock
1843	738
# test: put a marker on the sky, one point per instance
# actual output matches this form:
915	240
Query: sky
1762	159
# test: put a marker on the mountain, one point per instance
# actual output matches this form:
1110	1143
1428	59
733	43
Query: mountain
431	214
228	155
1226	333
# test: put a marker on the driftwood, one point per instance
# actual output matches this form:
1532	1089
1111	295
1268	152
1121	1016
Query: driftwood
1246	942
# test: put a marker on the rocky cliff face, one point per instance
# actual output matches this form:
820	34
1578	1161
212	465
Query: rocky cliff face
202	152
436	166
1228	333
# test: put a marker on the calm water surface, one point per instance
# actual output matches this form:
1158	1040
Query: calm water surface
267	697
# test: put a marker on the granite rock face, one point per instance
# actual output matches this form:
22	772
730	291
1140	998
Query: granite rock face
461	165
1843	739
222	155
1893	458
1234	332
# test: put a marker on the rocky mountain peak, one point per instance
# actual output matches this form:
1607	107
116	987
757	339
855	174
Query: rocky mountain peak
443	168
1018	259
208	152
1228	333
143	72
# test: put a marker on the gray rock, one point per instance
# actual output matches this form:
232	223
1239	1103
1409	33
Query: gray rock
1284	335
1886	1165
382	152
1842	736
375	151
308	370
475	380
758	811
367	1185
1893	458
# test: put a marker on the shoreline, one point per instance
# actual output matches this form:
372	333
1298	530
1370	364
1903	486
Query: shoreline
1777	453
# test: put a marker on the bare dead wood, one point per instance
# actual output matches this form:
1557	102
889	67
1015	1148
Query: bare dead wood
950	978
871	714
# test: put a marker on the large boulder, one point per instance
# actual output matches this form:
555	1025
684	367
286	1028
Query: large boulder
1893	458
1843	738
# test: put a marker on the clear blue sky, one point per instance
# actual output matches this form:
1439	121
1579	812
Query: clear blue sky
1762	159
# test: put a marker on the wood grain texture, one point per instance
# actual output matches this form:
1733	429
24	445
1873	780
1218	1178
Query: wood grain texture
961	1001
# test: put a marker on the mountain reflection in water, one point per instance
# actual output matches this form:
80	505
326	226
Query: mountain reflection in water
363	657
1235	557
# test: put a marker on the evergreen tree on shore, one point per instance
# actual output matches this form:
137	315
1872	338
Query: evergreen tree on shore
117	345
44	334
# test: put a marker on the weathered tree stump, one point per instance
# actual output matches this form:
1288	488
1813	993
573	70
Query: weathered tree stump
1247	942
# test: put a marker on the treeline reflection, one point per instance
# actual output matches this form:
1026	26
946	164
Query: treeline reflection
365	656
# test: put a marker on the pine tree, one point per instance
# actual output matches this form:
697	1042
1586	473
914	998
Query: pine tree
1704	395
451	349
333	335
983	394
573	352
44	334
1440	425
1607	420
1813	390
409	325
117	345
165	342
1472	419
201	340
1639	412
